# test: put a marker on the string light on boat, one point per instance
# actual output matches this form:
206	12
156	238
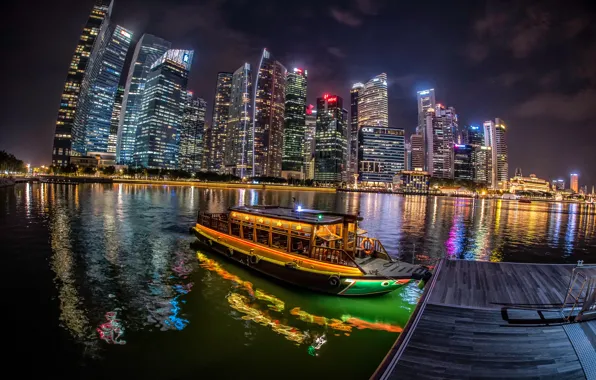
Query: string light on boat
234	214
279	224
246	217
299	227
260	220
320	216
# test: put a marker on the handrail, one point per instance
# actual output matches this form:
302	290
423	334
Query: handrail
378	248
334	255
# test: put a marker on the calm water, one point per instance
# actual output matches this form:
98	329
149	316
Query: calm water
115	261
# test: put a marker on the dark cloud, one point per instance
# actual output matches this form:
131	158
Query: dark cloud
334	50
369	7
345	17
575	107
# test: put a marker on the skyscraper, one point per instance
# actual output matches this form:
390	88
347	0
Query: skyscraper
417	149
295	124
481	155
309	142
373	107
268	122
425	100
495	137
441	122
574	182
147	51
353	142
91	129
238	156
381	154
216	137
190	156
463	167
69	100
330	140
162	108
115	120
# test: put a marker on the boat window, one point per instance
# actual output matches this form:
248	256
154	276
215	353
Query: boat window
300	246
248	231
235	228
279	240
262	236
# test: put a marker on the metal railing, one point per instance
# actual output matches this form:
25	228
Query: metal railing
581	294
333	255
378	250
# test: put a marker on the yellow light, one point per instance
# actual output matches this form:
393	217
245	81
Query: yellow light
233	214
299	227
279	224
246	218
260	220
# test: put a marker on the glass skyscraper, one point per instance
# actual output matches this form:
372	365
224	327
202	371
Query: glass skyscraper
238	154
381	154
295	123
495	137
353	142
373	109
463	167
441	123
69	99
147	51
331	140
115	121
309	142
192	133
268	121
425	100
216	136
162	108
91	130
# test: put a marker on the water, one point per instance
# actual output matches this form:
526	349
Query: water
113	261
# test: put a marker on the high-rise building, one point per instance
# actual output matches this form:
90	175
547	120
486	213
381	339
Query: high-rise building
373	109
268	122
495	137
482	159
190	156
295	124
441	122
115	120
475	136
162	108
574	182
425	100
353	142
91	129
463	167
417	152
216	136
558	184
238	156
309	142
94	29
330	140
147	51
381	154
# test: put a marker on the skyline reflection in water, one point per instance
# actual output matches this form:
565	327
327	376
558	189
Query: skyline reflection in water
96	254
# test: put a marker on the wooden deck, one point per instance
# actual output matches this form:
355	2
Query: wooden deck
481	320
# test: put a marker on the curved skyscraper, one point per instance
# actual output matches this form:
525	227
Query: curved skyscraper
238	154
373	108
147	51
268	122
216	137
295	124
69	100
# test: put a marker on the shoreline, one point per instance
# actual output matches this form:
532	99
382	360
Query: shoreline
224	185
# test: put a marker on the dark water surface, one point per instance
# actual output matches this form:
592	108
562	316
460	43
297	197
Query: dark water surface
113	261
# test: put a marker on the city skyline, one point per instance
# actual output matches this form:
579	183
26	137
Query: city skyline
401	96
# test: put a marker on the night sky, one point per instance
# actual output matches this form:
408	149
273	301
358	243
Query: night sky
531	63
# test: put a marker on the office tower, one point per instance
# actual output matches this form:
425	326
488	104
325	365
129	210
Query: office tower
330	140
463	167
408	156
574	182
115	120
381	154
373	107
353	142
558	184
475	136
425	100
94	30
162	108
238	156
482	159
147	51
268	122
440	124
495	137
215	143
417	152
309	142
190	156
295	124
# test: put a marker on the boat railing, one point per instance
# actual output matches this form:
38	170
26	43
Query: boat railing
333	255
216	221
378	250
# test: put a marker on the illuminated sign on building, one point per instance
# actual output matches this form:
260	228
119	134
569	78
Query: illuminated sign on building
185	58
332	100
425	92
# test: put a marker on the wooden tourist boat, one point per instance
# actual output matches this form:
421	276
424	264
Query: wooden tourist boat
319	250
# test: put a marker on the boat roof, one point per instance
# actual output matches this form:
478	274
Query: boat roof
318	217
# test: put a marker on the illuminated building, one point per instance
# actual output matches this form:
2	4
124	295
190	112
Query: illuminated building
373	107
417	152
495	137
94	30
115	120
147	50
463	162
425	100
531	183
268	121
190	157
558	184
295	124
482	159
216	137
309	142
574	182
412	181
91	128
381	154
353	143
162	107
238	156
330	140
441	122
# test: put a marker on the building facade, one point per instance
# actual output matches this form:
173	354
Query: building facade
373	103
463	163
574	182
412	181
441	122
330	140
115	120
495	137
216	136
381	154
528	184
309	142
94	29
268	118
353	141
295	124
482	159
191	148
416	152
147	51
162	108
426	101
238	156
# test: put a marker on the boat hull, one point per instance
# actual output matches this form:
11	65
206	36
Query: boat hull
330	282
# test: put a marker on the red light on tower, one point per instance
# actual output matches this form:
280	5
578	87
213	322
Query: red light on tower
332	100
325	96
309	109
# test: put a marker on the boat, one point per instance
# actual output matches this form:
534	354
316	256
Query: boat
319	250
524	200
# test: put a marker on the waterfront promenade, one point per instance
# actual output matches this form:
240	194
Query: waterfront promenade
493	320
226	185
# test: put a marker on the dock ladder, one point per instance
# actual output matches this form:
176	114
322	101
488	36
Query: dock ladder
581	294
